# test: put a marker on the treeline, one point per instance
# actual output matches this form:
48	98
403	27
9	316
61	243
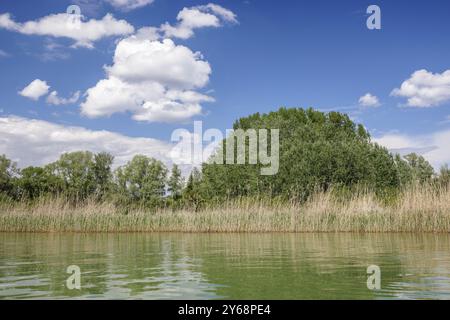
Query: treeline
82	175
318	151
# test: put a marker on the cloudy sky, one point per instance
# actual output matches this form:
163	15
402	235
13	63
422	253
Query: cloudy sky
127	73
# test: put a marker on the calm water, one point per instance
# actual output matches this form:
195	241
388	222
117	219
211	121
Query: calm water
232	266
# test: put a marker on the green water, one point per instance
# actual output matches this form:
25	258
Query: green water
230	266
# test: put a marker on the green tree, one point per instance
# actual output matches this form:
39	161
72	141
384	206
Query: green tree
175	183
8	171
75	169
142	180
83	174
404	170
421	169
444	176
102	173
192	193
317	150
35	182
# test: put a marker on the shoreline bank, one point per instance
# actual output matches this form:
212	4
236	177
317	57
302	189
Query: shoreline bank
415	211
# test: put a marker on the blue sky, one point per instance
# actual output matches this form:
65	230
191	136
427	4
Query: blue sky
255	57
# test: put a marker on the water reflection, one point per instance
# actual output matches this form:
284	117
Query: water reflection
214	266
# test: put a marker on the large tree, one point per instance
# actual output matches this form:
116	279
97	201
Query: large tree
421	169
142	179
102	173
175	182
317	150
83	174
34	182
8	171
75	170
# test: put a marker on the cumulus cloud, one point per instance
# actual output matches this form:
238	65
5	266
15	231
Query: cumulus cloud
152	79
54	99
369	100
129	4
425	89
159	61
435	147
83	31
225	14
37	142
36	89
189	19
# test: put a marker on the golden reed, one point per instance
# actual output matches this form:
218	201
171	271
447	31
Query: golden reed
417	209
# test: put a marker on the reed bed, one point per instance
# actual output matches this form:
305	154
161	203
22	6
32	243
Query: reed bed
417	209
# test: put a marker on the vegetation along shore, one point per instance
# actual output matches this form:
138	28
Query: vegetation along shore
331	178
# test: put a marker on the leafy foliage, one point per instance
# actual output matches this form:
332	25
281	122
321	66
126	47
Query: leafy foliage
175	182
7	172
318	152
142	180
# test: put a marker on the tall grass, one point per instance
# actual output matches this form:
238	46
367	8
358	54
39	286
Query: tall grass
416	209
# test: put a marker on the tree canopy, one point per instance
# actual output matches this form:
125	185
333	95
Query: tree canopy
317	151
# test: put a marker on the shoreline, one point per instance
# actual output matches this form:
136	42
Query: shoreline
213	222
424	210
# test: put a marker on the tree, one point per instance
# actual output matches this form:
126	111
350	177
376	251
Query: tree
421	169
192	194
142	179
316	151
175	183
444	176
36	181
8	170
75	169
102	173
404	170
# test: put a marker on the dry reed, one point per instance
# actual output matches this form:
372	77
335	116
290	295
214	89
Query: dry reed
417	209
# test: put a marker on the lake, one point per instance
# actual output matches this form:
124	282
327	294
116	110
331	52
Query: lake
224	266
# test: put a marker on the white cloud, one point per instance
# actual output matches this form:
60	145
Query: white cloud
54	99
369	100
164	62
3	54
129	4
113	95
152	79
83	31
225	14
37	142
36	89
167	110
189	19
425	89
435	147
